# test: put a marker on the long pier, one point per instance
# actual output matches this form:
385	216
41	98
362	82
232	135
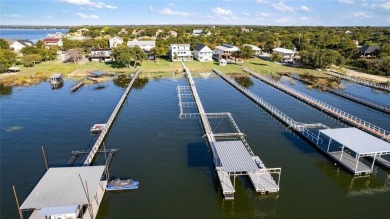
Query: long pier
232	155
358	99
359	81
337	113
344	158
109	123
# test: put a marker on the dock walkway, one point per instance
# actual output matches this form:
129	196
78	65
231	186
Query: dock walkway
109	123
337	113
232	155
358	99
359	81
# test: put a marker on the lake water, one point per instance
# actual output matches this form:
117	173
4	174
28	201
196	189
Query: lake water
30	34
171	159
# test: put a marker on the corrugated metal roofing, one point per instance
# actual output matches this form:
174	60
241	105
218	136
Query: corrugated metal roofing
357	140
64	186
58	210
235	157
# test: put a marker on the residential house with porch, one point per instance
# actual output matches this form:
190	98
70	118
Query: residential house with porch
203	53
180	52
145	45
287	54
100	55
115	41
256	50
18	45
226	51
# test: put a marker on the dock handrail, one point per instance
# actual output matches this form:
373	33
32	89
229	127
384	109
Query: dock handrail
110	121
358	80
357	122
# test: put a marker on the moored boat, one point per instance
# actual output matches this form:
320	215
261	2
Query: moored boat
122	184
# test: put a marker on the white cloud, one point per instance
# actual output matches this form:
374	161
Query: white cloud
89	3
385	5
346	1
221	11
246	14
304	8
281	6
13	16
360	15
151	9
92	16
168	11
284	20
262	14
261	1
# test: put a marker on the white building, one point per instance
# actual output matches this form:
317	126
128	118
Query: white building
200	32
115	41
52	42
180	52
287	55
203	53
100	55
18	45
256	50
144	45
226	51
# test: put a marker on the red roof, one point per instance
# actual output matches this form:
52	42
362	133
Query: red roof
51	40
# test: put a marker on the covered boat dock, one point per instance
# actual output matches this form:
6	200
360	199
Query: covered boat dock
356	145
67	192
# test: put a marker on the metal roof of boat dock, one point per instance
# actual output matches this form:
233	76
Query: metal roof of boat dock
57	75
64	186
235	157
357	140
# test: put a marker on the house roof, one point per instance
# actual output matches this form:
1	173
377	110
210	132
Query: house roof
180	44
369	49
255	48
283	50
25	42
64	186
141	43
116	37
200	47
227	47
57	75
197	31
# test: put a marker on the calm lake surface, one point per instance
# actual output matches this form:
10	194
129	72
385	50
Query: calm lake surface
171	159
30	34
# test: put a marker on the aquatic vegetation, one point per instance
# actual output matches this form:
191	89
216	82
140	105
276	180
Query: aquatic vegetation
14	128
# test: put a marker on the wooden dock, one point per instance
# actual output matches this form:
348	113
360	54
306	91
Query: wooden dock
110	122
337	113
364	101
359	81
79	84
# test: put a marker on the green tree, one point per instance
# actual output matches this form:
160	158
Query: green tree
128	56
385	50
7	59
40	44
276	57
30	60
29	50
4	44
246	53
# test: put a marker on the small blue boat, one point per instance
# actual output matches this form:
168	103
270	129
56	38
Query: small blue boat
122	184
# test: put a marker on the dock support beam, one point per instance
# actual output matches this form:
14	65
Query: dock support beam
17	203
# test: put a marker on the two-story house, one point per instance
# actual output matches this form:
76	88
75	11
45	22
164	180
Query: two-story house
203	53
226	51
18	45
180	52
115	41
99	55
287	54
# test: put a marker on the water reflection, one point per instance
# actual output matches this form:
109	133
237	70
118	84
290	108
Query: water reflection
124	80
243	80
5	91
356	186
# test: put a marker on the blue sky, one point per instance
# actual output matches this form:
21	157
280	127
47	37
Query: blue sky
235	12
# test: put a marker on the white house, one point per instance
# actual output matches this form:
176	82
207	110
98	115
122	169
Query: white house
200	32
226	51
287	55
203	53
145	45
172	33
99	55
52	42
256	50
20	44
180	52
115	41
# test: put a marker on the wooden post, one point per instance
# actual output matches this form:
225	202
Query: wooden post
44	157
17	203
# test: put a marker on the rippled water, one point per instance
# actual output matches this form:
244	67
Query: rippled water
171	159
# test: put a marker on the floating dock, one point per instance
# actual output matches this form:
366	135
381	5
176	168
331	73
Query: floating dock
79	84
352	162
109	123
364	101
232	155
359	81
337	113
